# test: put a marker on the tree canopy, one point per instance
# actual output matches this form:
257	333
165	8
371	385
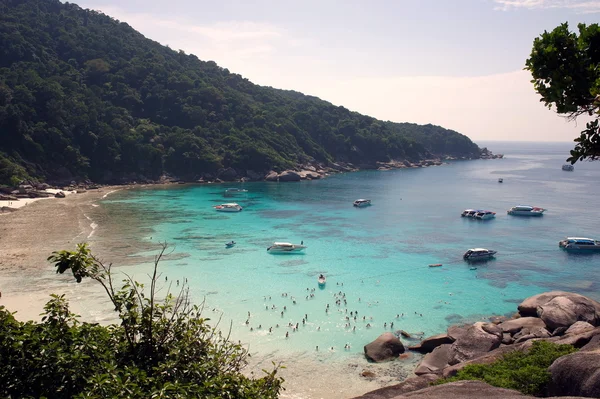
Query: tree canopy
83	95
566	72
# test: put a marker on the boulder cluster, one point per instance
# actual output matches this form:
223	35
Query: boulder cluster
557	316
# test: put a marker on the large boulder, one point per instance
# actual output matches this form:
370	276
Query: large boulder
579	327
272	176
434	362
577	374
561	309
430	343
463	390
515	325
475	342
254	175
289	175
386	347
409	385
60	194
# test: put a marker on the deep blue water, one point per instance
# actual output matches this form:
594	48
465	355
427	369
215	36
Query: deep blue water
381	253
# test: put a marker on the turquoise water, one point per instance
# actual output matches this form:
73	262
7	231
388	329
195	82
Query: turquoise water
376	258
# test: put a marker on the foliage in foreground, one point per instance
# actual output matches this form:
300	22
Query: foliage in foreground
161	349
526	372
566	73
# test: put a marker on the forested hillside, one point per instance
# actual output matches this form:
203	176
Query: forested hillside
85	96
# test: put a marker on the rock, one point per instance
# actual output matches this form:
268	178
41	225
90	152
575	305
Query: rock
430	343
561	309
463	390
474	342
404	334
498	319
486	358
579	327
4	197
227	174
515	325
578	340
409	385
272	176
492	328
559	331
60	194
535	333
455	332
368	374
434	362
386	347
576	374
289	175
507	339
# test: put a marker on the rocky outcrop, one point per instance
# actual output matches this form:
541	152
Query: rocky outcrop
409	385
227	174
386	347
561	309
430	343
516	325
577	374
272	176
436	361
289	175
476	341
60	194
462	390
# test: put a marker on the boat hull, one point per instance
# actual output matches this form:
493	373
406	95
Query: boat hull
525	213
227	210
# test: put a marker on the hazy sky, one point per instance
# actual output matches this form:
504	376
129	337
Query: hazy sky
454	63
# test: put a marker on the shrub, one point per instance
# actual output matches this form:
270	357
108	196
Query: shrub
526	372
163	348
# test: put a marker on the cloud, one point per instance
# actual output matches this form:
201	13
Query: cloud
579	6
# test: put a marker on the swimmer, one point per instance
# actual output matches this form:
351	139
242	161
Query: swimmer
287	334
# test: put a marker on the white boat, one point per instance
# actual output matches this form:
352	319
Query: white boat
285	248
579	244
475	254
235	190
469	213
485	215
232	207
526	210
568	167
322	280
362	203
500	180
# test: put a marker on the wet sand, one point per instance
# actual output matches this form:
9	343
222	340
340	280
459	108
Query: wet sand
29	235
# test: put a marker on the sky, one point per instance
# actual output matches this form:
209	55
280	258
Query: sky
454	63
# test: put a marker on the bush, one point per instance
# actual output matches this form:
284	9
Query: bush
163	348
526	372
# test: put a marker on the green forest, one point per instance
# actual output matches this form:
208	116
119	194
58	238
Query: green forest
84	96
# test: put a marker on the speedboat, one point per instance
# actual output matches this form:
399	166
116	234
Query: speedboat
321	280
362	202
526	210
230	244
235	190
485	215
469	213
285	248
232	207
475	254
568	167
579	244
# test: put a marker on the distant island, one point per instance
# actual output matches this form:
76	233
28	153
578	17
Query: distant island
86	97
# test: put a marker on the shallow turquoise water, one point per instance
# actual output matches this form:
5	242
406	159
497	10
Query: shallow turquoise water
380	253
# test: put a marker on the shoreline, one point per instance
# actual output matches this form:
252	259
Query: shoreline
28	236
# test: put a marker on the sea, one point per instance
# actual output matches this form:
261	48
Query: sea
376	259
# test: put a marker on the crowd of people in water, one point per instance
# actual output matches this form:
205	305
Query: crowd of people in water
353	320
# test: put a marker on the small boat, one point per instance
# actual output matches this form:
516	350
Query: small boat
435	265
500	180
285	248
230	244
228	208
235	190
476	254
526	210
360	203
485	215
469	213
322	280
568	167
579	244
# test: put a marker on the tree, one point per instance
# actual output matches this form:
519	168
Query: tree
566	72
162	348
